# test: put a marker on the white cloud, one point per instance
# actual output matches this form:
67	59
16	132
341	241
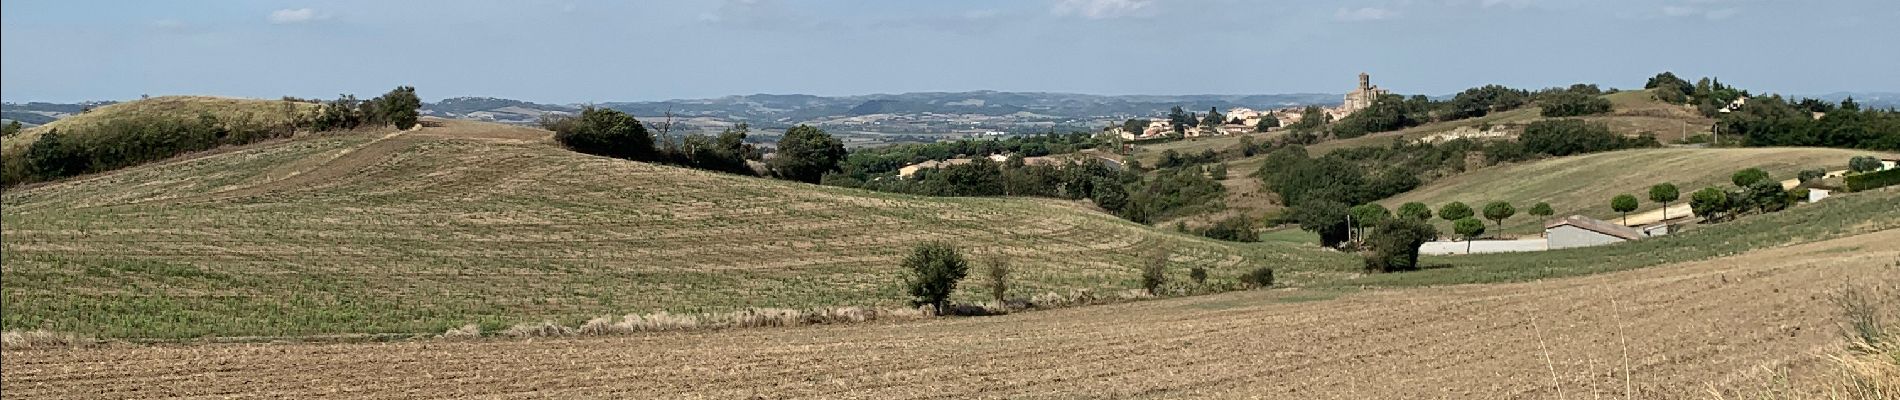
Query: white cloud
1104	9
1365	14
168	25
294	16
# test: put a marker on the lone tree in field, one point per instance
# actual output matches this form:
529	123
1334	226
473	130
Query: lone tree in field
1154	273
1623	204
1497	212
1748	177
999	280
1454	211
934	268
1469	228
1416	211
1664	193
805	154
1541	210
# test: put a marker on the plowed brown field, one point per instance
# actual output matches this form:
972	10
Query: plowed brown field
1677	330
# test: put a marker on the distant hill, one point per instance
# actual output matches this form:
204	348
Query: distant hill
1866	99
41	113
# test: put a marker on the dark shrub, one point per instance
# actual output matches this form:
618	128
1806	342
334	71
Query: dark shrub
603	132
1259	277
1154	272
1394	244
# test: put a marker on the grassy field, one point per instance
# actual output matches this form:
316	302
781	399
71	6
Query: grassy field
481	223
1584	184
263	112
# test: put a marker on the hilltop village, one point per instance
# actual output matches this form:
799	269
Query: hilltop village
1243	120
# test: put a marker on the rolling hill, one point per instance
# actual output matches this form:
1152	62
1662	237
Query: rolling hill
264	112
465	222
1584	184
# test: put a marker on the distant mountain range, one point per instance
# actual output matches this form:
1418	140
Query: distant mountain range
776	110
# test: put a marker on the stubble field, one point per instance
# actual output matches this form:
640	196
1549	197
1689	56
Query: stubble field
1676	331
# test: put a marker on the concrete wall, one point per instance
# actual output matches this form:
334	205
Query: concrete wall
1566	236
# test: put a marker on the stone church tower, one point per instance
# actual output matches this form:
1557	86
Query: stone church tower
1362	97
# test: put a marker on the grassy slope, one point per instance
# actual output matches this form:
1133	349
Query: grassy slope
423	231
266	112
1584	184
1632	112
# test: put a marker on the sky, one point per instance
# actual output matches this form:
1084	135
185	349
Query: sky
574	51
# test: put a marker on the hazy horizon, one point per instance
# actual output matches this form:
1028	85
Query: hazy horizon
568	52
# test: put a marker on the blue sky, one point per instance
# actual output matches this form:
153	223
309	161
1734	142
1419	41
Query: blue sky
593	51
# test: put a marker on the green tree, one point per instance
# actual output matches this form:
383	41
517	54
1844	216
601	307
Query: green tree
1664	193
10	128
1768	196
1454	211
1497	212
1709	203
1623	204
1394	244
1324	217
934	269
400	107
1542	211
1415	210
1212	119
806	153
603	132
1267	122
1468	228
1864	164
1748	177
1368	215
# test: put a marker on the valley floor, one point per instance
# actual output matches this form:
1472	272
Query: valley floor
1665	332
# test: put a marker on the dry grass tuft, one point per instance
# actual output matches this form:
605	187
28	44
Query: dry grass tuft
663	321
470	331
541	329
41	338
1870	370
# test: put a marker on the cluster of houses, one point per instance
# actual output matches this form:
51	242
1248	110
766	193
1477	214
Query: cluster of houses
1244	120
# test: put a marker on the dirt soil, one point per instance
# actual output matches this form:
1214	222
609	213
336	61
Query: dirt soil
1664	332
